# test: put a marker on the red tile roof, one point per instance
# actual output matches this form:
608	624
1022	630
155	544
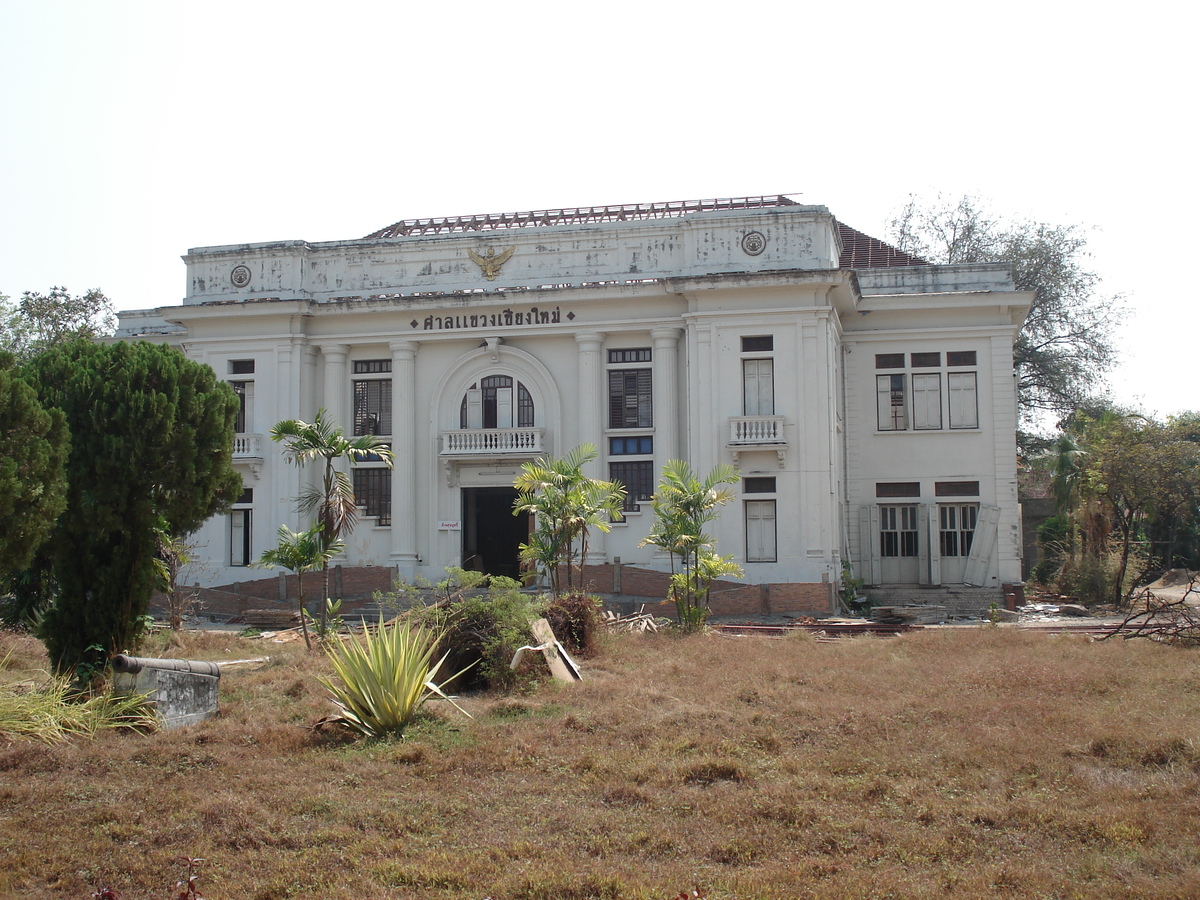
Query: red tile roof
861	251
579	215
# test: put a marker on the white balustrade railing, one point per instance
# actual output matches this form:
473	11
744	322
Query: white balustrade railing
247	446
487	441
756	430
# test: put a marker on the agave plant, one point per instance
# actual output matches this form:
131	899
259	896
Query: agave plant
385	677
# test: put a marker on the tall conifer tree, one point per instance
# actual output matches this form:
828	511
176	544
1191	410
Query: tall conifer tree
33	446
152	443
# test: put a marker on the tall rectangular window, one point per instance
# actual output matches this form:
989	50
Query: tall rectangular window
898	532
638	478
629	398
957	528
927	401
964	400
239	538
245	395
760	531
758	384
373	492
892	402
373	406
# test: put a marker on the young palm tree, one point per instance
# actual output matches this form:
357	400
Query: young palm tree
300	552
683	505
565	504
332	502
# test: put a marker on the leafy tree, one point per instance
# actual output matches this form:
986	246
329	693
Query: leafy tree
300	552
152	442
683	505
332	502
33	449
173	556
26	593
1140	469
38	322
1066	345
566	504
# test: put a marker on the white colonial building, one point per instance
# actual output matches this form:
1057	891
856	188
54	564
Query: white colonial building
867	397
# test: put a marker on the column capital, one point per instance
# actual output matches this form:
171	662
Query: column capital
334	351
404	349
665	336
590	340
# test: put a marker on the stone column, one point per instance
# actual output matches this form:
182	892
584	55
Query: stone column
404	450
666	395
591	420
337	392
666	404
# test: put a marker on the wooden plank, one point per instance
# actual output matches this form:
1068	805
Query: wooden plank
561	666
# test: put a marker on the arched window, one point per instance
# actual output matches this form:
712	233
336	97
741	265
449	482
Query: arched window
489	404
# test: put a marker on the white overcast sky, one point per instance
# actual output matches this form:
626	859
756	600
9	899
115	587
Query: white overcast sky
133	131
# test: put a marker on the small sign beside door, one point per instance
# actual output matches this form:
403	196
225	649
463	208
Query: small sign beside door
450	525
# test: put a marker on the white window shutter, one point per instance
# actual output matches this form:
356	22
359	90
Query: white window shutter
924	547
237	538
983	546
504	407
760	531
964	401
474	408
759	380
935	544
927	401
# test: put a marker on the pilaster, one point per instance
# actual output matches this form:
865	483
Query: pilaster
404	452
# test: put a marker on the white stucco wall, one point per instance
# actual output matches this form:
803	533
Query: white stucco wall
685	287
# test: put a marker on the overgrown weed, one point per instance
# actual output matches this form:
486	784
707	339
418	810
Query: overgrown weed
946	763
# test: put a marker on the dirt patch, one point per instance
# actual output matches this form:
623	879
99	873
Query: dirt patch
1173	578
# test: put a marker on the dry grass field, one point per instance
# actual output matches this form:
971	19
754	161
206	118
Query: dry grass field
947	763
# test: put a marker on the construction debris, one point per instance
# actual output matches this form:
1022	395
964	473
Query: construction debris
270	618
562	667
1170	621
638	623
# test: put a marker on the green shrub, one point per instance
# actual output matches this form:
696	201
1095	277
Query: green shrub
481	631
575	619
1087	577
1053	537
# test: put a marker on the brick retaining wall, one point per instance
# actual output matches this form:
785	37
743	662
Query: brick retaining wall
358	584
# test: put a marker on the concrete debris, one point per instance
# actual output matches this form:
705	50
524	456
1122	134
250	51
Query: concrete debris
1053	610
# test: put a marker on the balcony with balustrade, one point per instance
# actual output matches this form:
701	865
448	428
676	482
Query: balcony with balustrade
757	433
493	443
248	451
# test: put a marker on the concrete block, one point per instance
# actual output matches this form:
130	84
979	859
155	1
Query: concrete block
179	698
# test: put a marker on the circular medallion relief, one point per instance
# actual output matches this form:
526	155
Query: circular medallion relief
753	243
240	276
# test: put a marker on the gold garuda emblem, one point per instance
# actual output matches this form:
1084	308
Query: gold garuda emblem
490	264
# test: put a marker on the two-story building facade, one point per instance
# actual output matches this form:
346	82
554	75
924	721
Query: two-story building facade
866	397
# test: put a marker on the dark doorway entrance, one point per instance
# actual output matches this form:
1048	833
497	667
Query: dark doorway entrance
492	535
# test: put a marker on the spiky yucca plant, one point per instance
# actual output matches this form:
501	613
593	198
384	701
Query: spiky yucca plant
385	677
